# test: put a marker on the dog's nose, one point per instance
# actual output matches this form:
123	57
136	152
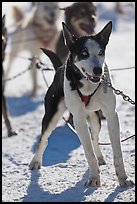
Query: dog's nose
97	70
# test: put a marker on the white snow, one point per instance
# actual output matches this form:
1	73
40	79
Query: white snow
64	170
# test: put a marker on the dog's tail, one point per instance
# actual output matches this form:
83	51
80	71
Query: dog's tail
17	14
53	57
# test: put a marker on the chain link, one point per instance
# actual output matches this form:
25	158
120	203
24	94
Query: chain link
119	92
35	62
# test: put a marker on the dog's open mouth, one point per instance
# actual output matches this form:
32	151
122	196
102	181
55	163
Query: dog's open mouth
94	79
89	77
86	27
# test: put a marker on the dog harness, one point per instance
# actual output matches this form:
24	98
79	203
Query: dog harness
86	99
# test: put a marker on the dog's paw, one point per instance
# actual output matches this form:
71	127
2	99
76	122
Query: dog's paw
12	133
101	161
94	182
35	164
126	182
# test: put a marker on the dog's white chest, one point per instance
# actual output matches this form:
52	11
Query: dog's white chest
75	102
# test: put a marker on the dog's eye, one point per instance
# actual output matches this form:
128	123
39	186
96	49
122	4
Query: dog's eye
101	53
85	53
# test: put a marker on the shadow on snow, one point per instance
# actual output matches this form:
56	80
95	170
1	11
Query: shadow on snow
18	106
61	142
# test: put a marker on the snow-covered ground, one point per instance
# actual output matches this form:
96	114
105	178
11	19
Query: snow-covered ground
65	170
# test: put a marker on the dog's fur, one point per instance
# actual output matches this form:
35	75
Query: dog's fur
81	18
40	26
11	132
81	77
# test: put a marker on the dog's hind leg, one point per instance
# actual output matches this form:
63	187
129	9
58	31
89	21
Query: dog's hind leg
34	79
54	108
95	125
11	132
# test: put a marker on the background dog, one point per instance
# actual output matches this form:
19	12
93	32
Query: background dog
35	29
80	17
74	82
11	132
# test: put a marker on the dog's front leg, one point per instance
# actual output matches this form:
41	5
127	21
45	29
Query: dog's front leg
114	133
53	112
84	136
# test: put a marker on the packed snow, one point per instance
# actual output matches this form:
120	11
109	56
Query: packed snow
64	169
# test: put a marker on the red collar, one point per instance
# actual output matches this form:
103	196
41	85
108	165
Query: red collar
85	99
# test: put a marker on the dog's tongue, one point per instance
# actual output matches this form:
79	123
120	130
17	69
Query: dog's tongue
47	38
95	79
87	28
45	43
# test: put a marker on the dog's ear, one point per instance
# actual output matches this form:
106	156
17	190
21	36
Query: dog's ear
3	19
69	38
104	34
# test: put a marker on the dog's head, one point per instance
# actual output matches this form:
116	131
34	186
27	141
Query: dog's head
81	18
87	53
46	11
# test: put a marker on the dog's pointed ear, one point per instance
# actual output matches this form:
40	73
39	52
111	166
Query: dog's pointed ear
104	34
69	38
3	19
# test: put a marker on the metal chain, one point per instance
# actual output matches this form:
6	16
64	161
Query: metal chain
119	92
116	91
34	62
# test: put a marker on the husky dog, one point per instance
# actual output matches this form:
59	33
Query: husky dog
81	18
11	132
78	86
35	29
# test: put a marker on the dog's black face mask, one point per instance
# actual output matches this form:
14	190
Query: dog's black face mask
88	52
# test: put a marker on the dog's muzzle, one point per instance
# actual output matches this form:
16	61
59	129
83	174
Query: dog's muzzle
95	78
87	28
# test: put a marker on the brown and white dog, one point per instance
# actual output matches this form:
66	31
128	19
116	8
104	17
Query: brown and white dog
11	132
78	86
81	18
35	29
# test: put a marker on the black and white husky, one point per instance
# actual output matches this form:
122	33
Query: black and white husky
77	86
